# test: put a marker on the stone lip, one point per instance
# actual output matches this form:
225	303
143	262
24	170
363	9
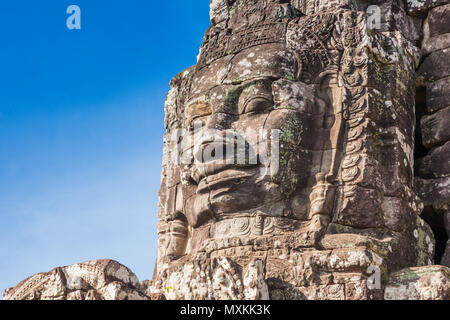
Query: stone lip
91	280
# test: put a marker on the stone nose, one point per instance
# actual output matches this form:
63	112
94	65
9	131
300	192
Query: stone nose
213	144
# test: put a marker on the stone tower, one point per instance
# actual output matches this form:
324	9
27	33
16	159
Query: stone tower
306	156
338	81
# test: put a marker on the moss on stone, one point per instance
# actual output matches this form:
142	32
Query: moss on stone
291	131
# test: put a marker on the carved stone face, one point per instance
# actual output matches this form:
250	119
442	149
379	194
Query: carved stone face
255	90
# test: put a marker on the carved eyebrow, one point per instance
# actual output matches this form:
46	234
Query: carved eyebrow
258	86
260	83
256	81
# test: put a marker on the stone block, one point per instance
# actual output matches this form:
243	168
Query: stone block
438	95
438	20
436	128
436	164
435	67
436	43
434	192
424	283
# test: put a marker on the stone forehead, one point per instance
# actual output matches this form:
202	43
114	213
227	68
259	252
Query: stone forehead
264	61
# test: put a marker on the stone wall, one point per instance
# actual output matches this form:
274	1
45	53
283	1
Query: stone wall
433	167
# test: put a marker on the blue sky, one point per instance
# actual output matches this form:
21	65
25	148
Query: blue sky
81	125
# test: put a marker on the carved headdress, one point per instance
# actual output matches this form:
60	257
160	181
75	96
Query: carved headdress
256	25
242	24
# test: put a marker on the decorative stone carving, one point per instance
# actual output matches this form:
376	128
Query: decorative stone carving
288	169
93	280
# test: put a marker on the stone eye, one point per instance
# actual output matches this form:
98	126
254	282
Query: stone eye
256	104
256	97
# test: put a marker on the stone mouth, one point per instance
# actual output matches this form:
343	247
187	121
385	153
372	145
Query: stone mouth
224	176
